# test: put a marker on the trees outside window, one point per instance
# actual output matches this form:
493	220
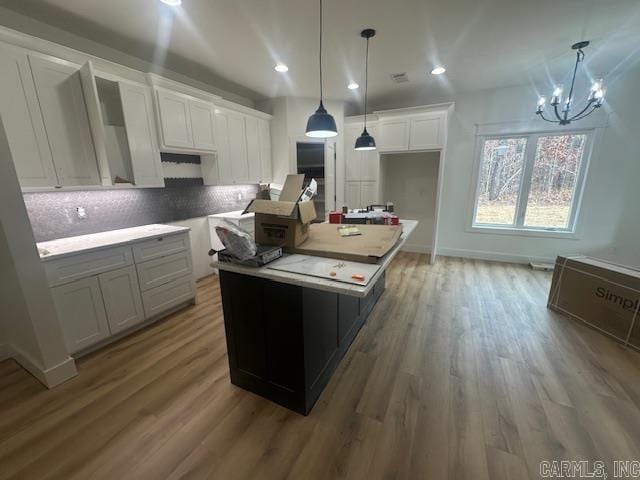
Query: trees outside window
530	181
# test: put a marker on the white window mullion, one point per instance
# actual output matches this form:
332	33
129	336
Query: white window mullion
578	187
525	183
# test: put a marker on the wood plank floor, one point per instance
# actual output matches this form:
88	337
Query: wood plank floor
460	373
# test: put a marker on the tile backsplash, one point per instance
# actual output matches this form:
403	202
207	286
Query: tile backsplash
55	214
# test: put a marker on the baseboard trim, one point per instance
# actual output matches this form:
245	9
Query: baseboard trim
50	377
415	248
493	256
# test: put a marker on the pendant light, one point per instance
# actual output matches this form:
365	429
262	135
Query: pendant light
366	141
321	124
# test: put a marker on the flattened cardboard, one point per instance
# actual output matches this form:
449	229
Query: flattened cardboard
307	211
606	296
292	188
374	243
270	207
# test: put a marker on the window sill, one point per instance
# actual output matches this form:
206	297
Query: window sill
523	232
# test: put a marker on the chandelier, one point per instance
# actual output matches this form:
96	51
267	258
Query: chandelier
563	115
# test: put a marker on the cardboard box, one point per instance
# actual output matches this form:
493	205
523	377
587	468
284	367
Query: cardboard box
284	222
604	295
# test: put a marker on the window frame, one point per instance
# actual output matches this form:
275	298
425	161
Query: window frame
518	227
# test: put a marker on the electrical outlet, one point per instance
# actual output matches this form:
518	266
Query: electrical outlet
81	213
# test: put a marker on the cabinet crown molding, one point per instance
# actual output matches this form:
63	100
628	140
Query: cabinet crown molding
155	80
417	110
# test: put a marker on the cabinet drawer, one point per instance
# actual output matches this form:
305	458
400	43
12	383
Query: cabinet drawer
68	269
160	247
162	298
163	270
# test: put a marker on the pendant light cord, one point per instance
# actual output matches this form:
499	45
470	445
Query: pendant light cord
320	51
366	83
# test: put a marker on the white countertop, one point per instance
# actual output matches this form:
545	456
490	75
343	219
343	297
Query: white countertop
321	283
62	247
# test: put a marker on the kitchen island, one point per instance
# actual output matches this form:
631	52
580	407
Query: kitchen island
287	332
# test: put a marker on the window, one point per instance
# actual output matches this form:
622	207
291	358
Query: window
530	182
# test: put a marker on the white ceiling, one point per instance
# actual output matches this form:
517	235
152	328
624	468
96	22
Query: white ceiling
483	43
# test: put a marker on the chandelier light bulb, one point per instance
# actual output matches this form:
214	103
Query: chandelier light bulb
541	103
596	91
556	96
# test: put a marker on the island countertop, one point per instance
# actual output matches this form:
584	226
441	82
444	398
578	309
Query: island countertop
321	283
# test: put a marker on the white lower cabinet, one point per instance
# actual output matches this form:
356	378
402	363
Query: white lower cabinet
81	312
167	296
163	270
106	292
122	300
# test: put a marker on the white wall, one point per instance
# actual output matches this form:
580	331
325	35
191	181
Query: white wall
607	218
30	321
410	180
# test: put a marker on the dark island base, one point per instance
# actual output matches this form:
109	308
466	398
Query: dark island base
284	341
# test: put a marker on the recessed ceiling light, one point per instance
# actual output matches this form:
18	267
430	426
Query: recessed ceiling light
353	86
173	3
281	67
438	71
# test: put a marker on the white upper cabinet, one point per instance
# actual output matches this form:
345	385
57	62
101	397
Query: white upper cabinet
224	169
23	121
238	147
203	120
187	124
413	130
137	110
243	150
426	132
122	124
64	112
253	149
264	136
175	119
393	135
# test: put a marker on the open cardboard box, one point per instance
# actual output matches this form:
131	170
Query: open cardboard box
284	222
